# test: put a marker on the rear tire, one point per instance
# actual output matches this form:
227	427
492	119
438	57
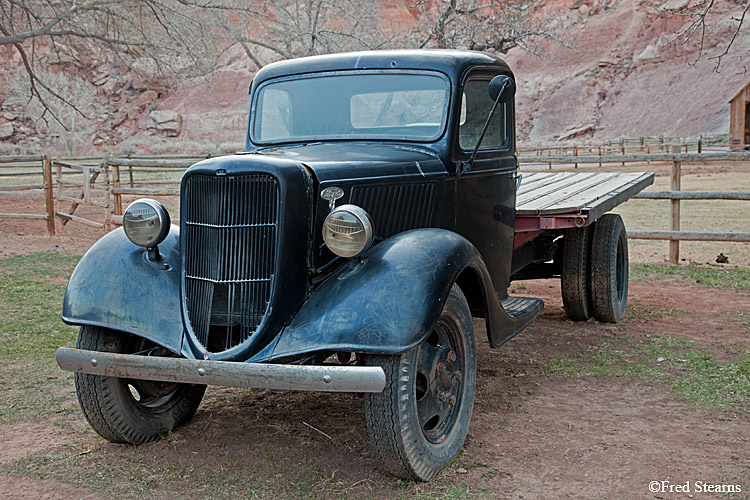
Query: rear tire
609	269
126	410
576	274
418	424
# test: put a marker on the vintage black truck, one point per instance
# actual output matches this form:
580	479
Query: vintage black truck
378	208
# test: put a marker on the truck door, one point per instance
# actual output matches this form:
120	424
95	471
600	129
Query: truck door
486	192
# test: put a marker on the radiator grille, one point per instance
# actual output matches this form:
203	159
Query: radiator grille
230	230
396	208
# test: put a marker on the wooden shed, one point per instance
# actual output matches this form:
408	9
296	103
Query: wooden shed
739	119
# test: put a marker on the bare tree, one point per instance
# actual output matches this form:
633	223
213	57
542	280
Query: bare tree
497	25
168	33
71	129
294	28
175	39
698	30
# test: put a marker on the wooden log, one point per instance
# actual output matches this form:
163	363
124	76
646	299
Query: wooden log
147	192
86	184
49	195
16	159
124	162
23	216
117	198
19	174
689	236
674	211
20	187
693	195
75	218
108	198
77	201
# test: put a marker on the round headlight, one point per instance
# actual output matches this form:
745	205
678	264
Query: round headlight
146	222
347	231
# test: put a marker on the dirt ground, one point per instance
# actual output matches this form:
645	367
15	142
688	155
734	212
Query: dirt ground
533	434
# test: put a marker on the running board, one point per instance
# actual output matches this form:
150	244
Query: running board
522	310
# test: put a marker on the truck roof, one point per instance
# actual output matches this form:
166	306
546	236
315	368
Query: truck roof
453	63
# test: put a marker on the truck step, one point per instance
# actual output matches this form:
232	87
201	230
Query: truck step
522	310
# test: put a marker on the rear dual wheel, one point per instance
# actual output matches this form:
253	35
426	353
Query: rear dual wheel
418	424
595	268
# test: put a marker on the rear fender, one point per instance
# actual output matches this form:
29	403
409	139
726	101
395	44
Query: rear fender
115	286
387	301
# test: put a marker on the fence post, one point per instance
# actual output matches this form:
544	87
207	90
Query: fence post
108	195
117	198
49	195
674	223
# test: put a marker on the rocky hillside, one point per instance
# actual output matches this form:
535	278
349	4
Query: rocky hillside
620	75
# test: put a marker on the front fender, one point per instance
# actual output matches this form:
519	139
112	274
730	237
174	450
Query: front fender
388	302
114	286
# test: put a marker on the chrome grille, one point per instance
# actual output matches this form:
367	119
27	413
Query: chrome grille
229	229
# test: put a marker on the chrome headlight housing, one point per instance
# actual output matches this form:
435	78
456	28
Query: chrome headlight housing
347	231
146	222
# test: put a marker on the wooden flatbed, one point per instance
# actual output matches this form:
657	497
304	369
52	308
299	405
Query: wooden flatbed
558	200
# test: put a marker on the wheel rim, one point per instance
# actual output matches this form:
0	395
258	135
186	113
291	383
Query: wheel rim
151	395
439	381
621	270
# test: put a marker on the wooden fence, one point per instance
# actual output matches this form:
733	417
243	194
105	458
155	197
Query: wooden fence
675	195
22	167
624	146
102	185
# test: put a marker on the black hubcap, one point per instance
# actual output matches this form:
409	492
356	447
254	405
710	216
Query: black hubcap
439	381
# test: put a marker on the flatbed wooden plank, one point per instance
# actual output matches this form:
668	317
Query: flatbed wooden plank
545	188
597	208
578	193
554	198
535	180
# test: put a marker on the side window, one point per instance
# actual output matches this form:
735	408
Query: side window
475	107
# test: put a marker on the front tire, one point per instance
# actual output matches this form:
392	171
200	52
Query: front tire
418	424
127	410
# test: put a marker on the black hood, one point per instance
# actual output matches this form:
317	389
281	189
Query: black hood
341	162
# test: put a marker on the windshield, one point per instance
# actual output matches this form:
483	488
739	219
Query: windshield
402	106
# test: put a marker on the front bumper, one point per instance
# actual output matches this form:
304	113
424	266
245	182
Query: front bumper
226	373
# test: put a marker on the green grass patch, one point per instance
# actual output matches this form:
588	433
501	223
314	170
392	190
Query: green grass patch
714	277
690	372
32	387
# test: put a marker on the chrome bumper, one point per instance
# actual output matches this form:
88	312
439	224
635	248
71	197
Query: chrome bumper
231	374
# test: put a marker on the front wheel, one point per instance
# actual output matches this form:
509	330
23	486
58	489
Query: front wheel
128	410
418	424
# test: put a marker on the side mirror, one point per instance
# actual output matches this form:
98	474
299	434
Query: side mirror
502	86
